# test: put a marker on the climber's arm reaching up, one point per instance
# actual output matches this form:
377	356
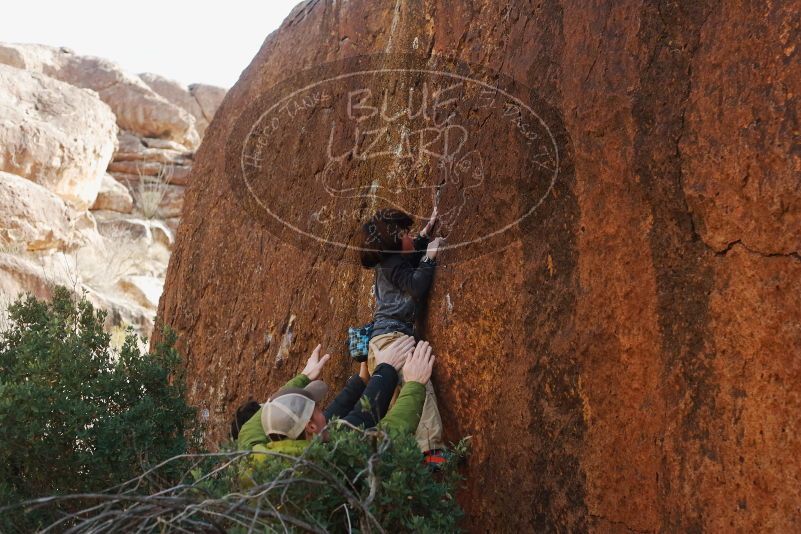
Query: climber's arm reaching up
415	280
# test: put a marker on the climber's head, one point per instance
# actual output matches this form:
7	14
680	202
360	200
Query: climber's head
385	233
295	413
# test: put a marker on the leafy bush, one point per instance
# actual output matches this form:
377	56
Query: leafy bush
75	416
358	481
96	441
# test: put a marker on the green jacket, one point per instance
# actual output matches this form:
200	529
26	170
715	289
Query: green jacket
252	433
403	417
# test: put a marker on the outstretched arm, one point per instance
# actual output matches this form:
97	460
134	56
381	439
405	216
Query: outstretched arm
414	281
314	366
347	398
252	432
377	396
378	393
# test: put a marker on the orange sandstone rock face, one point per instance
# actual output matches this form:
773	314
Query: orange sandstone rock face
624	341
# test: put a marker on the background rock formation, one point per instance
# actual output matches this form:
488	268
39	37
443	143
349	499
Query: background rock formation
55	134
199	99
138	108
631	362
83	203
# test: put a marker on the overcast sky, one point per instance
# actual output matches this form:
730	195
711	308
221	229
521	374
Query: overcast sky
208	42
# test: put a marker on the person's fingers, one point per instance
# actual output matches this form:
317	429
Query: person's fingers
400	354
428	351
316	352
425	351
407	345
398	343
398	359
325	359
419	354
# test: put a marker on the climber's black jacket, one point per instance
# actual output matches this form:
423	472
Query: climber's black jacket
401	282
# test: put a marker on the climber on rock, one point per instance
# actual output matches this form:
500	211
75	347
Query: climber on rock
293	416
404	269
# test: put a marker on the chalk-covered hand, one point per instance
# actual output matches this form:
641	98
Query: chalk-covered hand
315	364
433	248
419	365
395	353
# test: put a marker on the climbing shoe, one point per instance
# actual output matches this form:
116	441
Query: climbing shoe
435	459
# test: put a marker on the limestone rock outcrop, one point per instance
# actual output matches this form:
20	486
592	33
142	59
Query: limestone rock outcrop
54	134
113	196
626	358
21	275
155	171
209	98
137	107
84	203
200	100
31	217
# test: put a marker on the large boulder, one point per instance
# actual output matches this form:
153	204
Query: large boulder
113	196
173	92
20	275
54	134
200	100
209	98
121	311
133	148
31	217
144	290
137	107
38	276
625	353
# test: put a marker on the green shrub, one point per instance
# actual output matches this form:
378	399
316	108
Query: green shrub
358	481
76	416
97	440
